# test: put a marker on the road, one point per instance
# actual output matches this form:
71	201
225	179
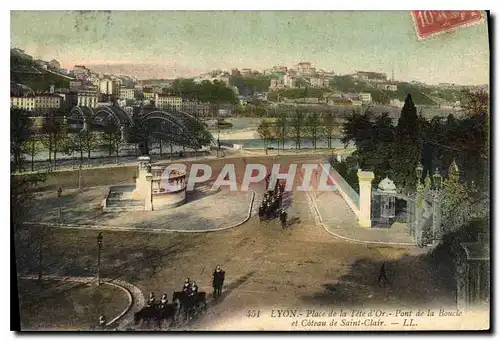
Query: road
266	266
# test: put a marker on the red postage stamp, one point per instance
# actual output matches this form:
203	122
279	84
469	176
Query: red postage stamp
431	23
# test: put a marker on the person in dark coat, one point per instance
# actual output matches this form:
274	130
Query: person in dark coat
218	281
186	287
383	275
283	217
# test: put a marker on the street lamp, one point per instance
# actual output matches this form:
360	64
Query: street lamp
59	192
419	170
436	205
99	246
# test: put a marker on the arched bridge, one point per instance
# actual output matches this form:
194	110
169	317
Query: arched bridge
169	125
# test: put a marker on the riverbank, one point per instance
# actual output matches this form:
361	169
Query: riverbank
236	135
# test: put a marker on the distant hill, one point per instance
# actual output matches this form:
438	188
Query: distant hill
23	70
419	94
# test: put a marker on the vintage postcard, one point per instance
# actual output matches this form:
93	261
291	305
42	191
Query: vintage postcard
250	170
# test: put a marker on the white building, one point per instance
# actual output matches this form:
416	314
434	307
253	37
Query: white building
305	69
288	81
109	87
48	101
126	93
87	98
365	97
387	87
319	82
165	101
276	84
26	103
45	101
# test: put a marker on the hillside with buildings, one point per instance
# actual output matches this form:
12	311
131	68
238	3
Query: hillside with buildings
43	86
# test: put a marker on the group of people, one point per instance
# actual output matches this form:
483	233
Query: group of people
273	203
190	288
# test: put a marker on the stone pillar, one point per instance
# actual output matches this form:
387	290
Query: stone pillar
365	198
148	200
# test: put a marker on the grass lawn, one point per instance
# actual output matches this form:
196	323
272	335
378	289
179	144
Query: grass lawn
56	305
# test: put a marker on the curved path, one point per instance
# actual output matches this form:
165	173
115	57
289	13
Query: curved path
207	223
134	295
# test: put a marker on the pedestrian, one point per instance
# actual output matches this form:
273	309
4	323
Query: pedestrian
283	217
218	281
383	275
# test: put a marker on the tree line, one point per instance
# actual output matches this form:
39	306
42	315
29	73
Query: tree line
56	138
206	91
298	126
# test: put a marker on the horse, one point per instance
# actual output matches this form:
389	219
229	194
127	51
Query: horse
185	304
148	314
167	312
190	304
200	300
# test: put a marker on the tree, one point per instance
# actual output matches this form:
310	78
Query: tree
112	138
407	148
54	134
382	152
21	131
33	147
280	129
461	201
328	128
313	128
358	128
475	102
297	125
21	192
264	131
89	142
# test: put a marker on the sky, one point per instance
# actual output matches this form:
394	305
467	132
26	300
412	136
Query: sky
168	44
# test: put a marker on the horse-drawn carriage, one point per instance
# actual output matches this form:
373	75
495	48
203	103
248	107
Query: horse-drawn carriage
183	308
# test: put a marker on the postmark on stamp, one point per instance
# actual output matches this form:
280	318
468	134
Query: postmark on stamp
432	23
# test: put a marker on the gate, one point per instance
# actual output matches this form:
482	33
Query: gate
418	218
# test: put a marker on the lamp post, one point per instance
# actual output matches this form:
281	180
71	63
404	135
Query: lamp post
59	192
99	247
436	205
418	207
218	132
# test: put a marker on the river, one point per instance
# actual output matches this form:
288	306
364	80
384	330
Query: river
244	133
